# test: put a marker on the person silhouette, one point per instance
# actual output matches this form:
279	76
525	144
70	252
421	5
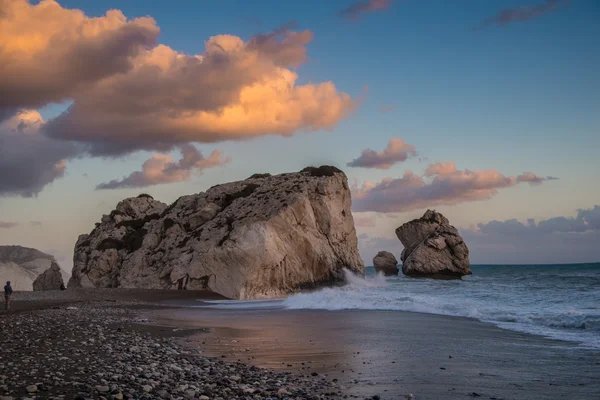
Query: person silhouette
8	291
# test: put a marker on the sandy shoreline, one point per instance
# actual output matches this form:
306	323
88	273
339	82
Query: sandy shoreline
312	354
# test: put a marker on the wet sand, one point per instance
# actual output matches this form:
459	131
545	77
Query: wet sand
393	353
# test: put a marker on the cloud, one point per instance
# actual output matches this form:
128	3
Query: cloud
364	221
354	11
161	168
554	240
524	13
129	94
35	223
48	52
7	225
234	90
29	160
445	185
396	151
386	108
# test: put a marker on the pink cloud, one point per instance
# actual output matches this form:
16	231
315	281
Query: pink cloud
364	221
524	13
446	186
396	151
444	168
354	11
160	169
7	225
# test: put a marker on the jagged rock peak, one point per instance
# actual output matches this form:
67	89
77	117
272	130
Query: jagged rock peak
51	279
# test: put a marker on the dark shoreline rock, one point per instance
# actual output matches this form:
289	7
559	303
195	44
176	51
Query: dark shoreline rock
433	248
50	279
386	263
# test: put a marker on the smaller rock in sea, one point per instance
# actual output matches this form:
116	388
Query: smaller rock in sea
386	263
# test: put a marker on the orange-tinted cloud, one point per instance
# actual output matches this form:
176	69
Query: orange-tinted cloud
47	51
235	90
354	11
28	159
128	94
161	168
448	186
396	151
524	13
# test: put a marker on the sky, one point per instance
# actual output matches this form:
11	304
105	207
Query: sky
488	112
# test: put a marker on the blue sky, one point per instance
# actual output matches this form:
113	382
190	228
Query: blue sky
520	97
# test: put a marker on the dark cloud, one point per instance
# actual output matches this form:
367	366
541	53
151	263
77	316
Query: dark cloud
47	52
284	46
354	11
35	223
396	151
29	160
554	240
7	225
160	169
447	186
524	13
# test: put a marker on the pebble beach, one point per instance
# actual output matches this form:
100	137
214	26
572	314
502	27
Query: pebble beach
92	345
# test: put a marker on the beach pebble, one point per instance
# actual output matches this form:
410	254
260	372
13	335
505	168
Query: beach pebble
31	389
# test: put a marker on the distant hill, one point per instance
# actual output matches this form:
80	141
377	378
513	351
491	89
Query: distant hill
21	265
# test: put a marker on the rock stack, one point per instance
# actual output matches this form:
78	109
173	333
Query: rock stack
262	237
386	263
433	248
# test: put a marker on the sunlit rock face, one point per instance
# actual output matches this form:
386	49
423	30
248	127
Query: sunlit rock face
262	237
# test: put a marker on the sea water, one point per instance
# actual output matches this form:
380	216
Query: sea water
556	301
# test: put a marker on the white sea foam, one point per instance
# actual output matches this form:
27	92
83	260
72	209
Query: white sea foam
533	300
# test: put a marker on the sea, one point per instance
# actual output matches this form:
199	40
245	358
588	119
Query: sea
555	301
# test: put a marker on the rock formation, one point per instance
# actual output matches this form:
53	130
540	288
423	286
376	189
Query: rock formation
262	237
22	265
50	279
433	248
386	263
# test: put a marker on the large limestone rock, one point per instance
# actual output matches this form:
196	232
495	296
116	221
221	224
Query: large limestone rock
433	248
386	263
262	237
22	265
50	279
